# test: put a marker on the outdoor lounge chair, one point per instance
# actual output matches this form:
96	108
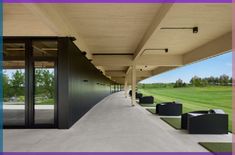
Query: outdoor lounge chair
138	95
205	122
169	109
147	100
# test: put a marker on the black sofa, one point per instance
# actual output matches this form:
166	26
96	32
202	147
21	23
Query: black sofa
169	109
137	95
213	121
146	100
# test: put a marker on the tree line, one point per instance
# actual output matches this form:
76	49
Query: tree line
14	86
223	80
195	81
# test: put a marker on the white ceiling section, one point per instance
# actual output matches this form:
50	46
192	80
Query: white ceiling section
115	36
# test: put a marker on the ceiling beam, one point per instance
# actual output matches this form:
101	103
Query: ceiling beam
215	47
58	22
143	73
112	60
122	73
151	30
160	60
120	80
161	69
115	73
126	60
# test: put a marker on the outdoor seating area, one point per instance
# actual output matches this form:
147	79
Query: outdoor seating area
214	121
195	122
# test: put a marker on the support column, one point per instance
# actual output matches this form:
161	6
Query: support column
125	87
133	85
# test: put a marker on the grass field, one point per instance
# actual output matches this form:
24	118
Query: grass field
195	98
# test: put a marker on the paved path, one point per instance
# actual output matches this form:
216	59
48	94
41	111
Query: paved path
112	125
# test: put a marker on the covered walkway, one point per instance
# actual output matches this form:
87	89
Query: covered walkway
112	125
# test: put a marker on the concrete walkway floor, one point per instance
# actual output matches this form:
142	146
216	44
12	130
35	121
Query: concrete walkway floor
112	125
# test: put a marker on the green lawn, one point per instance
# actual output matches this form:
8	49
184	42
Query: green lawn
195	98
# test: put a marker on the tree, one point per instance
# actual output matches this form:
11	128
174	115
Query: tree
204	82
196	81
216	80
45	82
211	80
6	86
179	83
224	80
231	81
17	83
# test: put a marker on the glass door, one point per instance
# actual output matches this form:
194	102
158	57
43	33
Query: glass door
14	84
44	106
29	83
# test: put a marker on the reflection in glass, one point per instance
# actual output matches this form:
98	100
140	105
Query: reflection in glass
44	49
44	98
13	84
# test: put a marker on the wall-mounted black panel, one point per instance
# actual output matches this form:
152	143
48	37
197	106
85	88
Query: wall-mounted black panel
81	85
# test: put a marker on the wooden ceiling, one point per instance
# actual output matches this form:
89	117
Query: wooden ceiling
132	31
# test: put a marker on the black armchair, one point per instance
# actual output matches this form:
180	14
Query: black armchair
169	109
205	122
184	118
147	100
138	95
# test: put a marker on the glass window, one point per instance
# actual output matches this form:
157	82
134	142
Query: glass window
44	98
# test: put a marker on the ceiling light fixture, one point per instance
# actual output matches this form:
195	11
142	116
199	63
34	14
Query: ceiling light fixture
157	49
194	29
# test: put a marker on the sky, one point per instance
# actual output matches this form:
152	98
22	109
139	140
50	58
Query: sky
215	66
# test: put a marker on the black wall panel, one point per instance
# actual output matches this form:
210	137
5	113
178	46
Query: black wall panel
81	85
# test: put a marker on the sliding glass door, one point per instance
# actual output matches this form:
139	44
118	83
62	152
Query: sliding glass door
44	93
14	91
